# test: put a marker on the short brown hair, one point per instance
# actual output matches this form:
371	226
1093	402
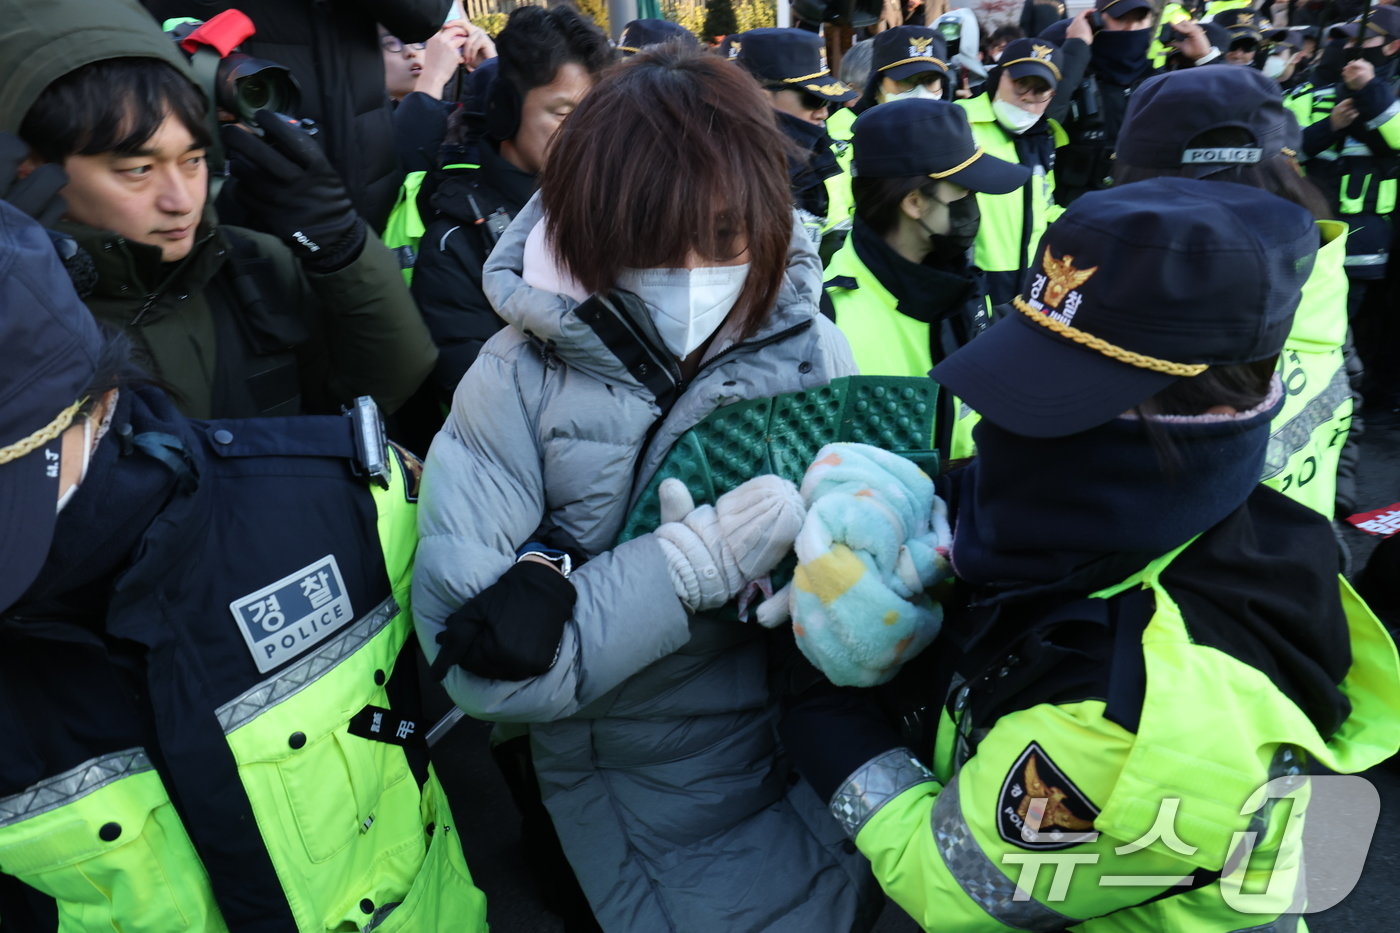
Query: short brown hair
673	151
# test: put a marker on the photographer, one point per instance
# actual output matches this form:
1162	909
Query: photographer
302	316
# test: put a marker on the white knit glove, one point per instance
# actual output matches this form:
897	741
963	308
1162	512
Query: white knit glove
713	551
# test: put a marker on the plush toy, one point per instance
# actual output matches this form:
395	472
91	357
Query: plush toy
874	540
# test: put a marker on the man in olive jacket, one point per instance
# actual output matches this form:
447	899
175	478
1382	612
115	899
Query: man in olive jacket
301	317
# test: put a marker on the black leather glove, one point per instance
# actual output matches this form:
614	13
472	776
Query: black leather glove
290	189
36	194
511	630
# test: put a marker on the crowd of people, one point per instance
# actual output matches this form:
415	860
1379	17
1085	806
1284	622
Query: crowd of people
355	362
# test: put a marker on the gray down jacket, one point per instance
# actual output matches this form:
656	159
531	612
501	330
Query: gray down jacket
653	732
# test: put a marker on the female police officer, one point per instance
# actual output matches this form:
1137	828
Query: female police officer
1145	637
901	288
206	705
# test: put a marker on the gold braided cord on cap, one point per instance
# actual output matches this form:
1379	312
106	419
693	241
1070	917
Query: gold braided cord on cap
976	154
922	58
1034	61
1140	360
27	445
825	72
628	48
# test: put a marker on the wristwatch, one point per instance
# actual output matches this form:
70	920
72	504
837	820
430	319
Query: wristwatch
560	559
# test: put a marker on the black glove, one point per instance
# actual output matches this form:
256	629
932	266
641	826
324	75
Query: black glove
511	630
290	189
37	194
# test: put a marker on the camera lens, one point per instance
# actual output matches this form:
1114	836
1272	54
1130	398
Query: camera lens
255	94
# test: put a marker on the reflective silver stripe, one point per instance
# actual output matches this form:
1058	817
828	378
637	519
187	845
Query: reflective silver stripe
1367	259
52	793
1385	115
875	784
257	700
1296	434
978	875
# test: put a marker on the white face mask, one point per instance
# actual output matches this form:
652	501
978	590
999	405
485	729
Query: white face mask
686	305
1012	118
1274	64
918	92
67	496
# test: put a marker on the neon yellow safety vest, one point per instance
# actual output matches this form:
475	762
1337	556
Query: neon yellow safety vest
1013	223
841	206
1212	731
1307	435
887	343
404	228
345	824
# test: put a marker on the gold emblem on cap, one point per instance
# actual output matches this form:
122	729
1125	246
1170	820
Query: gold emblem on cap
829	89
1041	51
1063	276
734	50
921	46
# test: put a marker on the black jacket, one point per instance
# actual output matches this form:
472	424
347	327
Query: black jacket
465	211
333	50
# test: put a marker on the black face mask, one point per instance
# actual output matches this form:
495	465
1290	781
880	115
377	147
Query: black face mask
1376	56
964	217
1121	55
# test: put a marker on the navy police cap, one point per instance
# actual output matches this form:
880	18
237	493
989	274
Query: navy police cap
904	138
1032	58
905	51
790	58
1131	289
1169	112
1382	21
49	345
641	33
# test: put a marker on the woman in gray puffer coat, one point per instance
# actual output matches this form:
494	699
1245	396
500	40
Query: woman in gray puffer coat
657	276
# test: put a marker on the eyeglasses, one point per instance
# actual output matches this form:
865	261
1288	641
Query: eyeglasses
1031	93
393	46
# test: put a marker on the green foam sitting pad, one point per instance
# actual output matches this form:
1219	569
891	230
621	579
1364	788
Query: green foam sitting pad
782	435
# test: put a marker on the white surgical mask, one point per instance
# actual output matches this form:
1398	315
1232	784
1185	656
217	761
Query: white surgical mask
68	494
686	305
1012	118
918	92
1274	64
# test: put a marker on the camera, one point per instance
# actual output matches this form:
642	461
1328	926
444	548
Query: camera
241	84
950	28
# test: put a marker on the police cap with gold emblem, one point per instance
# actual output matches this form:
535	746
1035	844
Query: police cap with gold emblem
904	138
1132	289
905	51
1032	58
791	58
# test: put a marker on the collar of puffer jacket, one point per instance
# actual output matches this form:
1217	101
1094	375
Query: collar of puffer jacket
551	319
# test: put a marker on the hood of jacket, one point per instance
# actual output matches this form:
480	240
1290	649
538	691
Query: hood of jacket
552	319
969	43
43	41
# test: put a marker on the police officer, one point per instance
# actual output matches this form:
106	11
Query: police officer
902	288
1008	121
1351	136
1118	35
207	688
1229	124
907	62
1144	637
788	65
